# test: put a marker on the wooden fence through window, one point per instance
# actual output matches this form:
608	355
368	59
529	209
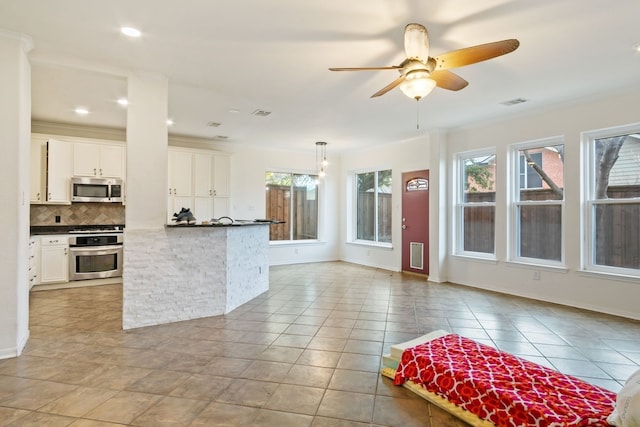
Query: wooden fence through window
617	228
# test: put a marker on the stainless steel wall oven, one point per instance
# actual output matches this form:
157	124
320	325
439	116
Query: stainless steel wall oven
95	256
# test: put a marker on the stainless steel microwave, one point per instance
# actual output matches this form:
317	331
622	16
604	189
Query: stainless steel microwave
105	190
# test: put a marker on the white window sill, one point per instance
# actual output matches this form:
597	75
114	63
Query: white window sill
536	266
295	242
476	258
371	244
610	276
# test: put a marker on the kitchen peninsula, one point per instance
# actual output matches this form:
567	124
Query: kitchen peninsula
186	272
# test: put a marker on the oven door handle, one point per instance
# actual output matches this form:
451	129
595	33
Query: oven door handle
95	250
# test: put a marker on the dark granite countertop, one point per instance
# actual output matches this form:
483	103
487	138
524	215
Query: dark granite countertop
66	229
236	223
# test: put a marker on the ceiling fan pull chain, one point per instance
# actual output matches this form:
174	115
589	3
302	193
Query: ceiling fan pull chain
417	114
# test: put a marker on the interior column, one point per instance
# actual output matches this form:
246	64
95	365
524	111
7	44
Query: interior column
146	181
15	139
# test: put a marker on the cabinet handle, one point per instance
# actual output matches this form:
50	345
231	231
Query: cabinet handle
65	251
169	191
38	196
211	192
49	196
100	171
94	171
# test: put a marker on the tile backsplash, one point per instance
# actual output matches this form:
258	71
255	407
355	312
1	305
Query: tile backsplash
78	214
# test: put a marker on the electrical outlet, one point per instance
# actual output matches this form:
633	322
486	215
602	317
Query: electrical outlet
536	275
57	218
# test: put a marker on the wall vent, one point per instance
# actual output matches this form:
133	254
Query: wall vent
261	113
513	102
213	124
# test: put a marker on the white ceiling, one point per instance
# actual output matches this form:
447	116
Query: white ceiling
273	55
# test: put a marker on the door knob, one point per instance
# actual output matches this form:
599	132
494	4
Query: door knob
404	226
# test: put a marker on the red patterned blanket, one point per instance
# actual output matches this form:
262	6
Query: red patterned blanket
502	388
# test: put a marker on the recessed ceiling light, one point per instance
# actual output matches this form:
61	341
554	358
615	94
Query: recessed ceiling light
130	32
81	111
169	122
637	48
123	101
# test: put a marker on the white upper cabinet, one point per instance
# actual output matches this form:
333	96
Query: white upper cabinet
98	160
202	176
180	173
222	171
199	180
59	171
38	186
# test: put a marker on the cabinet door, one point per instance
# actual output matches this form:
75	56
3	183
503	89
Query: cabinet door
180	171
34	261
221	207
203	209
38	161
175	204
59	171
85	159
111	161
54	263
222	170
202	177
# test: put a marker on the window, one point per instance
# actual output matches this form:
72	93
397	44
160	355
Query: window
373	206
293	199
538	202
612	208
476	204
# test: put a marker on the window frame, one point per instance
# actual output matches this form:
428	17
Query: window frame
319	196
354	237
460	204
588	202
515	204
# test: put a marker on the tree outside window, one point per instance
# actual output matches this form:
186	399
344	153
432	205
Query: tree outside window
476	203
614	201
292	199
539	201
374	206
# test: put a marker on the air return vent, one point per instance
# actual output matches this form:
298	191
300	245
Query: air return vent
261	113
513	102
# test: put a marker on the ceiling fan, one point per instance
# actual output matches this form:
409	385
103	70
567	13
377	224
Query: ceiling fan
420	73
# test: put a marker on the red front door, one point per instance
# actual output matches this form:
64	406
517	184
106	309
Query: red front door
415	222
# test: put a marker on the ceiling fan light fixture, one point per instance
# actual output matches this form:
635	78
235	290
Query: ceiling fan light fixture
417	87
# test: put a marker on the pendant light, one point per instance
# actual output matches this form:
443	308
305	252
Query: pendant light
321	158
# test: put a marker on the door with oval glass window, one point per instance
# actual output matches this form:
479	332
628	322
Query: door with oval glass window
415	222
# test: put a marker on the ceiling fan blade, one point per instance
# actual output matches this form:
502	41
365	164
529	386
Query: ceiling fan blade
445	79
391	67
473	54
388	87
416	42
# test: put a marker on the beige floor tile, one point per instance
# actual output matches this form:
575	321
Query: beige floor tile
9	415
171	411
267	371
267	418
225	415
356	381
295	398
123	407
203	387
39	419
78	402
347	405
311	376
412	412
159	382
248	393
37	395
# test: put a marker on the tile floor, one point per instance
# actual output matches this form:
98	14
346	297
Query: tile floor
306	353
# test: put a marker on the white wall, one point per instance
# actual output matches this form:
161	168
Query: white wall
399	157
15	118
571	287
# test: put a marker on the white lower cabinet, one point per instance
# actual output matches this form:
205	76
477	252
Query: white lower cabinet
34	261
54	259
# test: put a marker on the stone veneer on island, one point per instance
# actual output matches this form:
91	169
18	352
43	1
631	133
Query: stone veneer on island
187	272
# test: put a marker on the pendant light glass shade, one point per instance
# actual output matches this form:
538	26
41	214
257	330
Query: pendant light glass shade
321	158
